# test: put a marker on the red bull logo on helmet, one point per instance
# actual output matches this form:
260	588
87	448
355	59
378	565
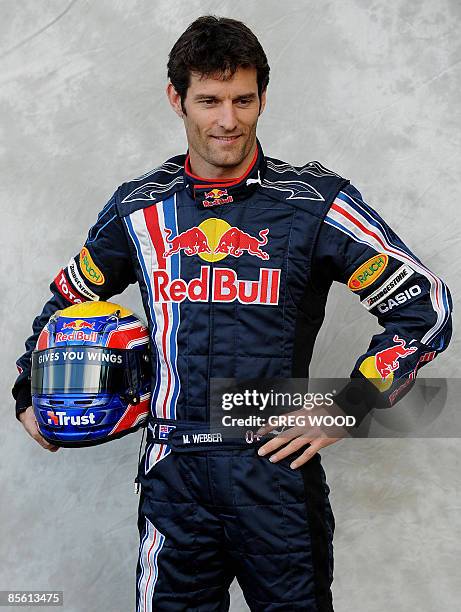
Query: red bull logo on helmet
78	324
215	197
77	329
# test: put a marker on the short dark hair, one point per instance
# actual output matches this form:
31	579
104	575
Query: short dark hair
216	45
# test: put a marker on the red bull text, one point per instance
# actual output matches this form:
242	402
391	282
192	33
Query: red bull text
224	287
77	331
217	197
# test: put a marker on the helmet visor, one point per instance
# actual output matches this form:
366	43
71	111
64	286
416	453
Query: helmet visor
83	369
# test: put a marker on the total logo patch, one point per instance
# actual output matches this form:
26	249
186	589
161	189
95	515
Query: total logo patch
90	269
368	272
65	290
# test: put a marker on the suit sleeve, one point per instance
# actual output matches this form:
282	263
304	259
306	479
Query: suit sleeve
411	303
103	268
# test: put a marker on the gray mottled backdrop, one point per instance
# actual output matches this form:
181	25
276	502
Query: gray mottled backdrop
369	88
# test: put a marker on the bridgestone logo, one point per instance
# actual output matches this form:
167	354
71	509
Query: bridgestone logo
400	276
78	283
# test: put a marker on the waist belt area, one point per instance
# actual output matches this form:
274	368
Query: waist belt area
191	436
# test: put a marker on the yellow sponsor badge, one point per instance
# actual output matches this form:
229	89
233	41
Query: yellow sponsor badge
89	269
368	272
369	370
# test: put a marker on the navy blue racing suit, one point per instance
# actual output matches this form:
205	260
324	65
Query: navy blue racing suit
234	277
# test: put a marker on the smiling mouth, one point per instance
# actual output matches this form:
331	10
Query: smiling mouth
226	138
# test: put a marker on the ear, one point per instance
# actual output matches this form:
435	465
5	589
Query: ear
263	102
174	99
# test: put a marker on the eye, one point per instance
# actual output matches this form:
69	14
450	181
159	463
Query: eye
207	101
245	101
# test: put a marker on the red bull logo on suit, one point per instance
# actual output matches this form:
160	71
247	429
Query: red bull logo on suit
215	197
380	368
230	240
212	241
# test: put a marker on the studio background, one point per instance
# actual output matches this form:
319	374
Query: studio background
371	90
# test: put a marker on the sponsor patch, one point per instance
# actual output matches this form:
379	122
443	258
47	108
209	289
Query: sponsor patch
368	272
215	239
218	285
78	283
388	287
164	431
59	418
217	197
90	269
380	368
399	299
65	290
398	392
425	358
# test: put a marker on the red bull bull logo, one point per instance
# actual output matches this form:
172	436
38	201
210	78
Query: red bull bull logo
78	324
387	360
234	242
193	241
213	240
215	197
217	238
380	368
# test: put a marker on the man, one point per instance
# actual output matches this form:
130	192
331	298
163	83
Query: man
234	271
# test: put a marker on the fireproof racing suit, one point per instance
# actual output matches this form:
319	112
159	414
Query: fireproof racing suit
234	277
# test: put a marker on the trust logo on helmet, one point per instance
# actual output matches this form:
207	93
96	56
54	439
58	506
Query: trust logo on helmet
59	418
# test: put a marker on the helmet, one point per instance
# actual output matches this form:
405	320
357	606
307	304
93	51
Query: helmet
91	375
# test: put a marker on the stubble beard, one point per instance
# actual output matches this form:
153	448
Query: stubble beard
226	159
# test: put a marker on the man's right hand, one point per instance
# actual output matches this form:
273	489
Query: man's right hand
29	422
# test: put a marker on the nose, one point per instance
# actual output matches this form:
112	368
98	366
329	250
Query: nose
227	118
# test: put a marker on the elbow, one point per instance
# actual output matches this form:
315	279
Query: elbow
446	331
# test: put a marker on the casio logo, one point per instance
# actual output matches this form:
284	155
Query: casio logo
399	299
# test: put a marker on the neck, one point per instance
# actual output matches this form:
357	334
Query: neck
203	169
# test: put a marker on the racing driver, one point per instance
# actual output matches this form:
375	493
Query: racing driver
234	253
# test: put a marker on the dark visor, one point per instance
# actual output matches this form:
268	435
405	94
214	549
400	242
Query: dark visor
82	369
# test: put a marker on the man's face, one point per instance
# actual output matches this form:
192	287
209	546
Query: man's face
220	119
